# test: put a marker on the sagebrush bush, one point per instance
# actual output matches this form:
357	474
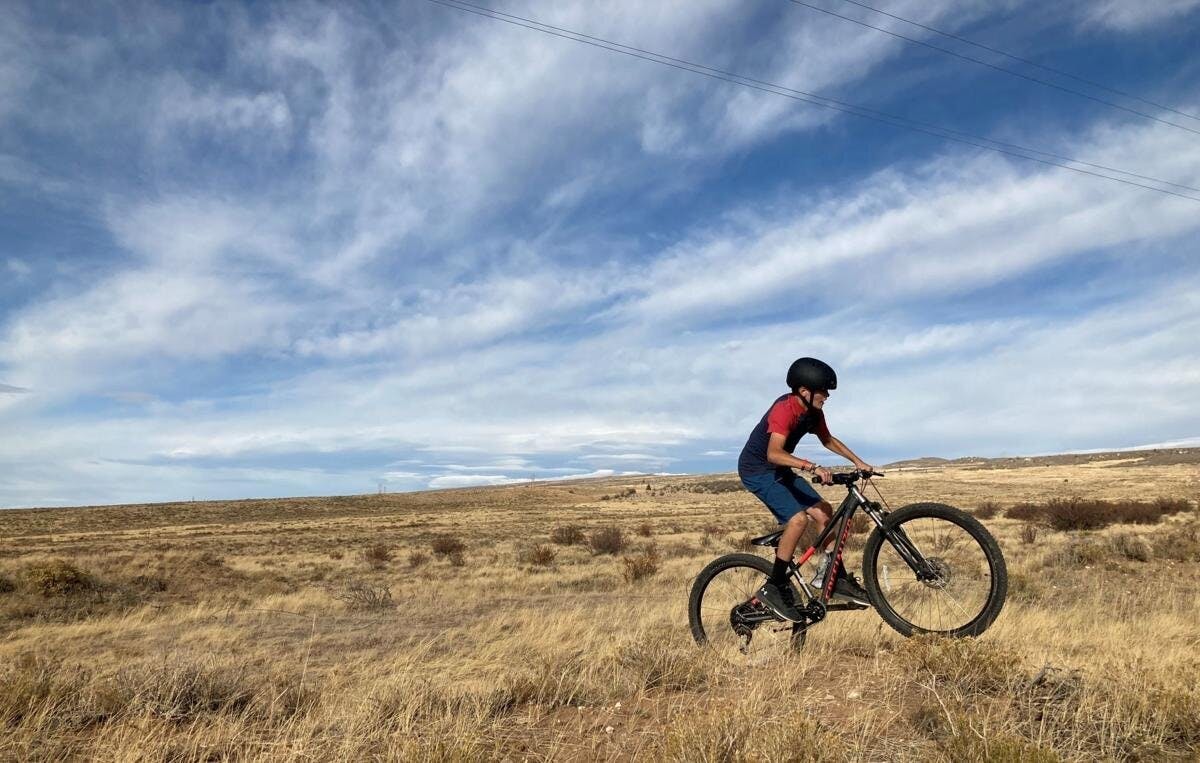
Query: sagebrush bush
717	486
7	584
1078	551
416	559
645	530
363	596
641	565
628	492
448	546
607	540
987	509
56	577
567	535
538	555
377	556
1075	513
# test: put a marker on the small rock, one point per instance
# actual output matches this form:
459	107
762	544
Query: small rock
617	706
608	729
853	694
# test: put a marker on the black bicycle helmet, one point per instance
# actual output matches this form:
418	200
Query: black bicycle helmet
811	373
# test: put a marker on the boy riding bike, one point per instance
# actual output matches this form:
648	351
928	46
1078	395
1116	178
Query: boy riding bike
765	467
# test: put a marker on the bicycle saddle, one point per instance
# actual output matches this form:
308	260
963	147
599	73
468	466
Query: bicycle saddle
771	539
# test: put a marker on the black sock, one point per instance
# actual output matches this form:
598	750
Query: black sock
779	572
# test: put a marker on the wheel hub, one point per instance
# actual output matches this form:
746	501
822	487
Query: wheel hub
939	576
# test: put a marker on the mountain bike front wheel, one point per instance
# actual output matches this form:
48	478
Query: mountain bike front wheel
725	615
962	587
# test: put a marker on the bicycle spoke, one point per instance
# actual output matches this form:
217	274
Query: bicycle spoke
961	588
754	641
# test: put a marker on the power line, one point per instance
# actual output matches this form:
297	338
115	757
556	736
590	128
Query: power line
1026	61
817	100
989	65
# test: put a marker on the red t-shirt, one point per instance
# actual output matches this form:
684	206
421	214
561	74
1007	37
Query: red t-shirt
789	417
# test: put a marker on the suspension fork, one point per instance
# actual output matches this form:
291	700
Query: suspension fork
896	536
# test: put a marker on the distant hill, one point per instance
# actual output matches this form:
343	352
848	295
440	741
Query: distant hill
1154	457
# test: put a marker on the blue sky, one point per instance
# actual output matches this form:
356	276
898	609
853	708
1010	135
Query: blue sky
302	249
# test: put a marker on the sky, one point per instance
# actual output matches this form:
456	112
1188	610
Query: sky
281	249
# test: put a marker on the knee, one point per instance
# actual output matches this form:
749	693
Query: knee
821	511
798	520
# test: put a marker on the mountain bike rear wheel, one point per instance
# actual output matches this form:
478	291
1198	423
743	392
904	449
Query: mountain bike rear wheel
725	615
967	582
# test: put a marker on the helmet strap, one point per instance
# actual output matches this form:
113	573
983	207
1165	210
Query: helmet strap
807	403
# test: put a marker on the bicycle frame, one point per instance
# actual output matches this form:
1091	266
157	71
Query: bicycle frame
840	523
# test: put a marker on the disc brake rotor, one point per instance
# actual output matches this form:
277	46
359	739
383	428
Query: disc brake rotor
942	572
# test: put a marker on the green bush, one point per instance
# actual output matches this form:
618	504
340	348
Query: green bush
56	577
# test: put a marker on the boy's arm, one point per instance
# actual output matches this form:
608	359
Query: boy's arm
835	445
779	457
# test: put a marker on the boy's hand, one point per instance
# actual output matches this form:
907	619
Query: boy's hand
824	475
863	466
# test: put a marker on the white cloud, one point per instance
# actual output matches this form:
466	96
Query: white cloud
1136	15
18	268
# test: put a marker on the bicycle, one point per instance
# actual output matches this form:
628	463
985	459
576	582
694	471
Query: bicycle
927	568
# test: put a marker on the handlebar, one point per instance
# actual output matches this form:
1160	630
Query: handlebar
848	478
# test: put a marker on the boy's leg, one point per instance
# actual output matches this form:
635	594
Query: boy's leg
821	513
784	504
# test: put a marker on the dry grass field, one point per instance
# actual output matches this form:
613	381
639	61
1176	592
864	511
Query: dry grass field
518	623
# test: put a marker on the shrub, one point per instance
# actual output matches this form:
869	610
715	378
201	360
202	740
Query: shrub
448	546
642	565
377	556
1133	547
1029	533
567	535
417	559
987	509
1075	513
1182	544
628	492
6	584
538	555
607	540
1172	505
57	577
717	486
1078	552
364	596
645	530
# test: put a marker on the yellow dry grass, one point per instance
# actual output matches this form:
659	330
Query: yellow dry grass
263	630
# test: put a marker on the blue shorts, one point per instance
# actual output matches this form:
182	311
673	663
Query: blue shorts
783	492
